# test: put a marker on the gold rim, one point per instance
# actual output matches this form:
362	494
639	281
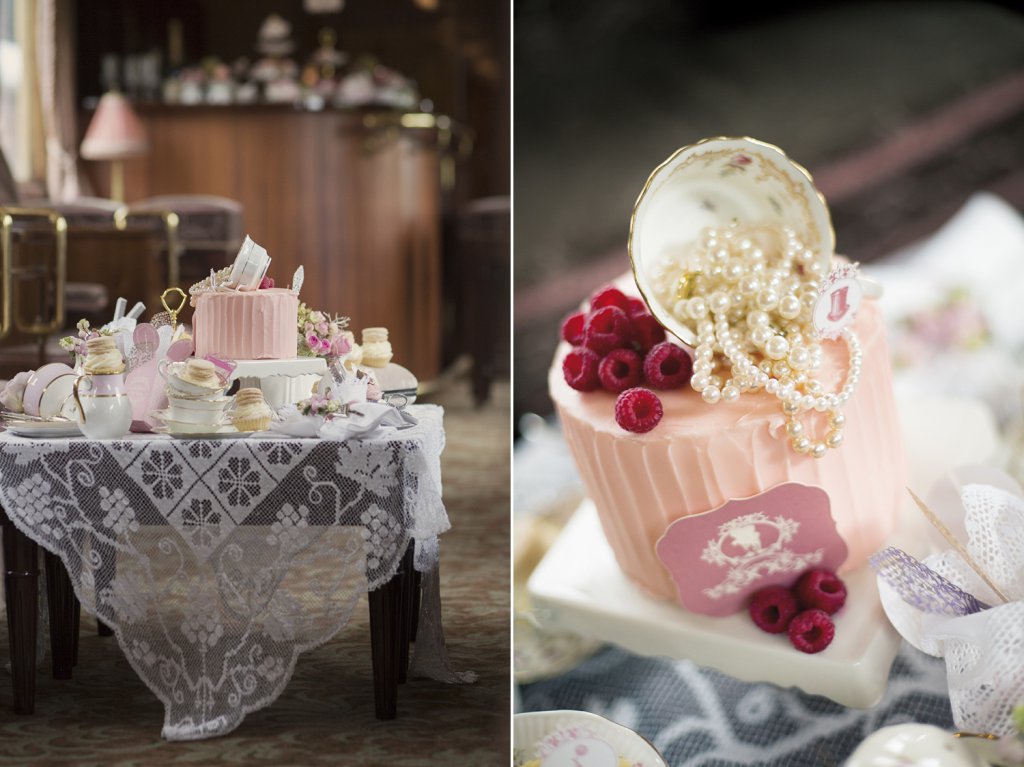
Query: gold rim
801	170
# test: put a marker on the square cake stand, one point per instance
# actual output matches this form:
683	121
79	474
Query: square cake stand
579	587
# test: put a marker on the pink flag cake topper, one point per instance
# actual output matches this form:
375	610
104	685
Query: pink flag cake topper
719	558
839	298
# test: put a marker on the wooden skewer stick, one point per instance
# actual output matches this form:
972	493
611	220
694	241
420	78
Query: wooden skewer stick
960	548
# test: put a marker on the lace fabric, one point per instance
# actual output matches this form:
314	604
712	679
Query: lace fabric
984	651
218	562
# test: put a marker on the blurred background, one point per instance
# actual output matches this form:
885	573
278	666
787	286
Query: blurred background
365	140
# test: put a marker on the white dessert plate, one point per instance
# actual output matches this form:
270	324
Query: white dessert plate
185	429
531	728
44	429
579	587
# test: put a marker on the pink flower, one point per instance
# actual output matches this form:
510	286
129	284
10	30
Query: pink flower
340	346
321	328
325	346
308	327
313	341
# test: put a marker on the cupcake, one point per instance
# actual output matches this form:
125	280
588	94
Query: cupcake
355	354
252	413
103	357
376	347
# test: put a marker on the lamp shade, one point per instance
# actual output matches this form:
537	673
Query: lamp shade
115	132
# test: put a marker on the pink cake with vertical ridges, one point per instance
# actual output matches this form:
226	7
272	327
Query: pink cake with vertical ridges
247	325
701	456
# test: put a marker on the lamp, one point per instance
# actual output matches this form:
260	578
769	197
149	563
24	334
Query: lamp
115	133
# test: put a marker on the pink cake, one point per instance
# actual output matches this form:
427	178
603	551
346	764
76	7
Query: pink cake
248	325
701	456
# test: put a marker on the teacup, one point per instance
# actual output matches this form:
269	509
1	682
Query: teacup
198	411
172	372
39	384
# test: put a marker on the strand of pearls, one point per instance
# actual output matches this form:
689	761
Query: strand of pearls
750	293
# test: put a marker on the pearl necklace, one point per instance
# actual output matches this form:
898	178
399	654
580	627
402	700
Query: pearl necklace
750	292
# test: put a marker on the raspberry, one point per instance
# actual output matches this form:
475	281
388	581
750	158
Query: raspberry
772	608
638	410
647	332
620	370
635	306
820	590
609	296
667	366
572	328
580	369
811	631
606	329
266	282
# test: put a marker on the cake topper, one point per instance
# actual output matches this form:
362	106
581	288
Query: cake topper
298	278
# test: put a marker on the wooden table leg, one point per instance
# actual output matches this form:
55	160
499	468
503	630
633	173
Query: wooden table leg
406	583
384	603
75	630
63	605
21	584
417	588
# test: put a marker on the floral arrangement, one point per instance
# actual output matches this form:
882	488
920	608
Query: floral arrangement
321	335
76	345
321	404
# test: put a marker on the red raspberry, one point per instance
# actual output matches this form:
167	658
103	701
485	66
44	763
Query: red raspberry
647	332
606	329
820	590
638	410
620	370
772	608
636	306
811	631
667	366
572	328
609	296
580	369
266	282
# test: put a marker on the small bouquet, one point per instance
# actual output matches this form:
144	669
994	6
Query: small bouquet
326	405
76	345
321	335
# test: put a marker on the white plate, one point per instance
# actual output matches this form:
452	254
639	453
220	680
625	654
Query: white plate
529	729
579	587
182	428
44	429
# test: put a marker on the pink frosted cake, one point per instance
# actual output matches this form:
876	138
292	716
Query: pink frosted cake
699	457
247	325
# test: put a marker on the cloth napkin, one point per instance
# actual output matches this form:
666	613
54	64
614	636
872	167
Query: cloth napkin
366	420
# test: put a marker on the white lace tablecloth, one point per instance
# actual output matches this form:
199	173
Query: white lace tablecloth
218	562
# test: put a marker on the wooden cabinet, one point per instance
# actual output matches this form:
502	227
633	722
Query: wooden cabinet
353	197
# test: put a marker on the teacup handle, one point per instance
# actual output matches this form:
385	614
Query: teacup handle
162	367
78	400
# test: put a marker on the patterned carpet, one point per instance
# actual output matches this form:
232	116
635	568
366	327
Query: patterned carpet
106	716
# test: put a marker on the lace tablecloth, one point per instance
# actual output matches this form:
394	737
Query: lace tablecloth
218	562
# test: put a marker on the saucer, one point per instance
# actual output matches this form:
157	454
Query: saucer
529	729
175	428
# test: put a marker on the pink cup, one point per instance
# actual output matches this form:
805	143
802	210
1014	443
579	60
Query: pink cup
38	383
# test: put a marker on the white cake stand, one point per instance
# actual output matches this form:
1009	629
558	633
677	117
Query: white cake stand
579	587
282	381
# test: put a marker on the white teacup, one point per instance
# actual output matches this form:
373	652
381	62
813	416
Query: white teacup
198	411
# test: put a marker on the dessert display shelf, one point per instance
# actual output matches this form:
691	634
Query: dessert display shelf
282	381
579	587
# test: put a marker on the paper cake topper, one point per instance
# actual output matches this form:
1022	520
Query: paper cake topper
839	298
719	558
298	278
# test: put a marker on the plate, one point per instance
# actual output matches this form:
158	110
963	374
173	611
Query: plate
202	435
530	728
44	429
713	183
193	430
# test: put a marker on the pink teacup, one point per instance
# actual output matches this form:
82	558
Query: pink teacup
38	383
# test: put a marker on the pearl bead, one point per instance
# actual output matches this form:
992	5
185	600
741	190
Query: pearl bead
802	444
730	393
776	347
781	369
767	299
789	307
705	327
700	367
756	255
799	358
772	387
750	285
834	439
818	450
761	335
757	318
794	428
681	309
734	269
790	408
837	421
719	302
711	394
697	308
720	254
806	402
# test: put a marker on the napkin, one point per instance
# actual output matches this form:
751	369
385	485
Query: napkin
367	420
